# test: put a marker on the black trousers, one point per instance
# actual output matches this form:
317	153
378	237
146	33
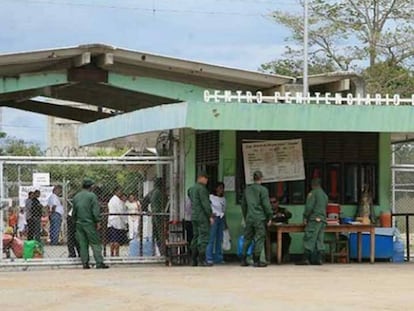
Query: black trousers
34	228
73	244
189	231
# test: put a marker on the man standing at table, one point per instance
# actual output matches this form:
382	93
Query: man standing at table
202	218
257	213
314	218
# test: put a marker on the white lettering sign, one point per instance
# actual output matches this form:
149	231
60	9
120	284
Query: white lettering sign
41	179
45	193
278	160
298	98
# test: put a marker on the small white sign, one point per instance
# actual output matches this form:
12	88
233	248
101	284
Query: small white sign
229	183
41	179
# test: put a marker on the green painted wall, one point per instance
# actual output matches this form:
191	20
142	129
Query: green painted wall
296	117
189	149
227	167
385	155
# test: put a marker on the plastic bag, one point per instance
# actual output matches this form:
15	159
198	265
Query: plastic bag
32	249
226	240
240	247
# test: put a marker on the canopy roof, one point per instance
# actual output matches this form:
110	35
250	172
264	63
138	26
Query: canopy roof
92	82
83	74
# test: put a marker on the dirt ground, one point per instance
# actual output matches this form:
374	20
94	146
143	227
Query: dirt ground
228	287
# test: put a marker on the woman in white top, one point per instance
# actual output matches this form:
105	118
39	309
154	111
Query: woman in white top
116	222
133	206
214	253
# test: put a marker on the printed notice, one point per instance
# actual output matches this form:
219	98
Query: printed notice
278	160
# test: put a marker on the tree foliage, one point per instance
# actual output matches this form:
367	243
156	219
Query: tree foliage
10	146
351	35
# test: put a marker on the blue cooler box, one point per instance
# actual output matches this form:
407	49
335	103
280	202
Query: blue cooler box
383	244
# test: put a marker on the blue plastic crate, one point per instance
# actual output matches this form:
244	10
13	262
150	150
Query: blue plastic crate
383	244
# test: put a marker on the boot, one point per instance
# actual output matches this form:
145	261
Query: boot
86	266
102	266
305	260
244	262
258	263
194	258
316	258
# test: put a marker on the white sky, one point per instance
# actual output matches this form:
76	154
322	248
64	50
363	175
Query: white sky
234	33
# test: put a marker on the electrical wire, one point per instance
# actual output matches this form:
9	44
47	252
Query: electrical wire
155	10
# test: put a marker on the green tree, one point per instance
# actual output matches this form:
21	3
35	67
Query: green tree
351	35
387	78
18	147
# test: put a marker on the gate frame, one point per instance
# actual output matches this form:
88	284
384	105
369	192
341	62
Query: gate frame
174	211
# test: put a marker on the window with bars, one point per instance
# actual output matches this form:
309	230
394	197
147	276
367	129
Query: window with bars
344	162
207	154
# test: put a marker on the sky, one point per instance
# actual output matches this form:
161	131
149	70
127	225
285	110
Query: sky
235	33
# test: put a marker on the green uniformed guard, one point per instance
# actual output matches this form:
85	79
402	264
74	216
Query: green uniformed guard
315	220
157	202
257	212
202	218
87	216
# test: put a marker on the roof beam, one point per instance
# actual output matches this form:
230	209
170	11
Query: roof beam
105	60
157	87
82	60
65	112
87	74
32	81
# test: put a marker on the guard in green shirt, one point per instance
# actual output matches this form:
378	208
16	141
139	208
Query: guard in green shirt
158	206
87	216
202	218
257	212
315	220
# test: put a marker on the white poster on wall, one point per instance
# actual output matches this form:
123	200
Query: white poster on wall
278	160
45	192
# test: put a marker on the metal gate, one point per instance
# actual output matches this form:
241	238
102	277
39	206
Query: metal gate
140	223
402	199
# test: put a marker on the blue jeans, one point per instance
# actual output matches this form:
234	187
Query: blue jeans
54	230
214	253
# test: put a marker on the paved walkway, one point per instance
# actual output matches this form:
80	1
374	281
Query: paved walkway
229	287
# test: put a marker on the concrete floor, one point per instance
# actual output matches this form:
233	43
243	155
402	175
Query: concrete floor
382	286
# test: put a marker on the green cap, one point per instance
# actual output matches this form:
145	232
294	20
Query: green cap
87	182
257	175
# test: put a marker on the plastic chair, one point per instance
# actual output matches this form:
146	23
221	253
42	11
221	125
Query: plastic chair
176	245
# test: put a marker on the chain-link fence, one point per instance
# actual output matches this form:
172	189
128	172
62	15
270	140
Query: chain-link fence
403	201
51	211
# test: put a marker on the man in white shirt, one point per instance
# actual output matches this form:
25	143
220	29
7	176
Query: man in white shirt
116	223
55	214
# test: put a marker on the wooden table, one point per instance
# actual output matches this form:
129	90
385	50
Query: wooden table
278	229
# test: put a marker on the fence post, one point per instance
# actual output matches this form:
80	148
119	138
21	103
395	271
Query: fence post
1	208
